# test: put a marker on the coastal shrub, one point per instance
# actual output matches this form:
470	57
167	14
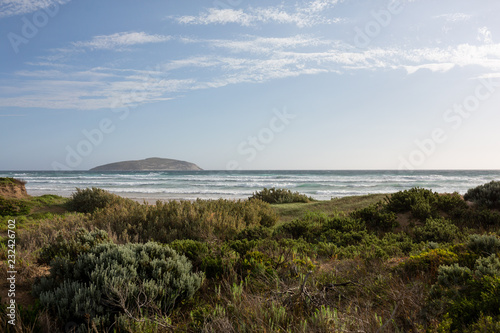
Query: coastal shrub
403	201
280	196
195	251
377	217
487	195
437	230
11	181
295	229
476	217
428	261
488	266
254	233
13	207
197	220
111	282
90	199
485	324
450	201
342	231
422	210
344	224
467	295
71	245
484	244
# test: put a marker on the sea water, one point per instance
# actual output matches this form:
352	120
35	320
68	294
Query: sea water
321	185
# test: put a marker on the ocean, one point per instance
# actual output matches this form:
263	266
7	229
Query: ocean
321	185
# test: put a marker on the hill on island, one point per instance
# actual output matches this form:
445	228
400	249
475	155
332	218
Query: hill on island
149	164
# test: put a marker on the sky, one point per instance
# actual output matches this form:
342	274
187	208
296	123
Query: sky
250	85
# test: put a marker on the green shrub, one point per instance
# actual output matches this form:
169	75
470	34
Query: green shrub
484	244
280	196
294	229
488	266
90	199
194	250
198	220
468	295
72	245
110	281
13	207
487	195
254	233
485	324
422	210
377	217
428	261
448	202
11	181
403	201
437	230
477	217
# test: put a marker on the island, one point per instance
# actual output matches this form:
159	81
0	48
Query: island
149	164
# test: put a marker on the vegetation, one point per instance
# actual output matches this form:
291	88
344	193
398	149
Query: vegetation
109	284
487	195
8	180
412	261
280	196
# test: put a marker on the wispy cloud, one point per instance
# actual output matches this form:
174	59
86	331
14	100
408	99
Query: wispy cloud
20	7
454	17
120	40
251	59
92	89
308	14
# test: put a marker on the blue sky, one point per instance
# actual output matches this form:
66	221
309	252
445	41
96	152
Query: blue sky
234	84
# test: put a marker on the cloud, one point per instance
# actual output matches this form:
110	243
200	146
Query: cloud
306	15
268	45
20	7
120	40
251	59
97	88
218	16
484	35
444	67
454	17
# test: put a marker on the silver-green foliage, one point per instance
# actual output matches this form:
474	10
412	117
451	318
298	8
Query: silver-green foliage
112	281
485	195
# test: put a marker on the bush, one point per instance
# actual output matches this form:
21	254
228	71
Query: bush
194	250
487	195
254	233
377	217
422	210
488	266
437	230
428	262
403	201
484	244
72	245
13	207
89	200
198	220
477	217
110	281
280	196
448	202
294	229
468	295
